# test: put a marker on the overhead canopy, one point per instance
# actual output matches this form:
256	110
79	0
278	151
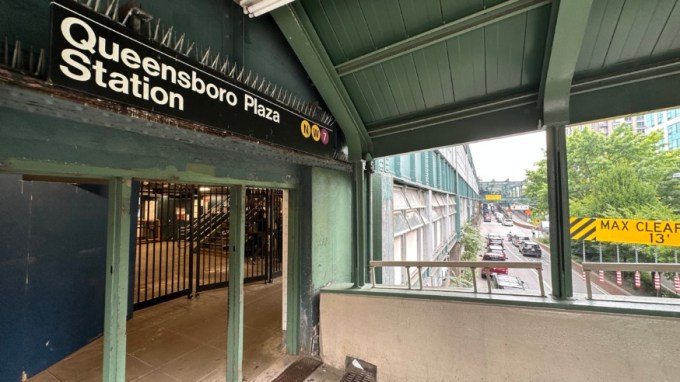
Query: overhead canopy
402	76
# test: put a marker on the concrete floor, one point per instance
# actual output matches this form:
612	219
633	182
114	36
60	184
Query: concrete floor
186	340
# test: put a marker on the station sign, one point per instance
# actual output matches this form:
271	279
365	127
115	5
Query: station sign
649	232
96	55
493	197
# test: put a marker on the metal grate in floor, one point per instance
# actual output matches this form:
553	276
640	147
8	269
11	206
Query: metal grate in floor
357	376
299	370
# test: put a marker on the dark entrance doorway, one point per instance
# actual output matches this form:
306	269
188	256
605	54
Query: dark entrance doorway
182	239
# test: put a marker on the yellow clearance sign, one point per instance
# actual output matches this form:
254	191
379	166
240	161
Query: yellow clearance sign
493	197
651	232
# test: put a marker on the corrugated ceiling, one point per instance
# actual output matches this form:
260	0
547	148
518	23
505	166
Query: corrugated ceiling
423	73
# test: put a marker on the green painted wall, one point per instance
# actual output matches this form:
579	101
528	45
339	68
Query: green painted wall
34	143
324	253
331	227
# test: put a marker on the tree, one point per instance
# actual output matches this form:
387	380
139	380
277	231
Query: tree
472	244
536	188
622	175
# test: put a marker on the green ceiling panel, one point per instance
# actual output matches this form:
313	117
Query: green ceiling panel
421	16
628	33
534	45
384	22
601	26
405	84
669	39
375	80
346	21
491	3
419	68
504	42
624	28
432	66
466	54
322	25
352	84
454	10
653	17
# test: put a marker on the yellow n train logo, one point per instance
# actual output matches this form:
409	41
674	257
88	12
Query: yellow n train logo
583	228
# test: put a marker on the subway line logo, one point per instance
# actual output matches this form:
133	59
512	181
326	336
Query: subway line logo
314	131
650	232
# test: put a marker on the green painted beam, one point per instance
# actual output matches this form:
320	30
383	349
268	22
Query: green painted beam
299	31
457	127
117	277
169	173
458	27
360	225
558	209
87	126
619	94
571	21
237	202
293	273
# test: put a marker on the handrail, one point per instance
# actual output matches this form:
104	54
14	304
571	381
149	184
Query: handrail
624	267
537	265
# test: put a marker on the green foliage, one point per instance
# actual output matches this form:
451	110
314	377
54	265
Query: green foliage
536	188
473	244
622	175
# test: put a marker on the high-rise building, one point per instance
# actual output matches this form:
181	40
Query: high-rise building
667	121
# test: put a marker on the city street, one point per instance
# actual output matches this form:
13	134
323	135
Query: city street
529	276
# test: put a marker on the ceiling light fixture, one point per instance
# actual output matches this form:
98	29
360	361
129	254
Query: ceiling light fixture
254	8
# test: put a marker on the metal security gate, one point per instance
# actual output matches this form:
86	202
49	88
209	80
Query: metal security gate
263	246
182	239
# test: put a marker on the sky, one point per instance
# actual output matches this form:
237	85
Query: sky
507	158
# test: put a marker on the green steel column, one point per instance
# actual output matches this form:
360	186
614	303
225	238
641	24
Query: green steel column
293	295
359	199
558	207
368	198
117	273
236	255
456	189
381	192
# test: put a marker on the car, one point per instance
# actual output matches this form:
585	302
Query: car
494	238
530	248
507	222
493	257
495	248
507	282
517	240
487	218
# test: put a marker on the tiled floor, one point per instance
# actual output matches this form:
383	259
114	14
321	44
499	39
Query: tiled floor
185	340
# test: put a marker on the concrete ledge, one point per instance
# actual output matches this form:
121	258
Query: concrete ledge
424	339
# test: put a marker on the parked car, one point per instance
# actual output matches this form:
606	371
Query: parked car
507	222
493	257
530	248
503	281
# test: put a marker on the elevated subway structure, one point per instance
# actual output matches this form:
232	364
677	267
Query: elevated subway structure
339	88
